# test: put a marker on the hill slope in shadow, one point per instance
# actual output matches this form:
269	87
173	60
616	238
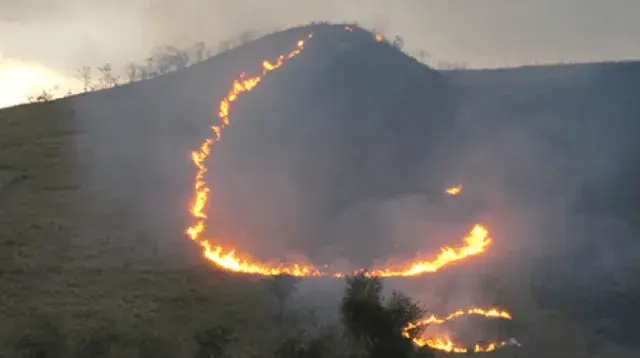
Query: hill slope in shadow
562	139
341	154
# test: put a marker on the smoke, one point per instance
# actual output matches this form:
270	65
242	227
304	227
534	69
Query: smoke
299	176
474	34
527	162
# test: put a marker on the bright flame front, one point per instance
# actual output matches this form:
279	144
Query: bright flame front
446	344
475	243
227	258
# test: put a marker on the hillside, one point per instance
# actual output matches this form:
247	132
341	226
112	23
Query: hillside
566	134
94	188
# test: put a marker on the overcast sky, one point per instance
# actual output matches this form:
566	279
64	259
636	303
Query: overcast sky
65	34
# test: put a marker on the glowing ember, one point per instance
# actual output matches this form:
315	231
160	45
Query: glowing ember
454	190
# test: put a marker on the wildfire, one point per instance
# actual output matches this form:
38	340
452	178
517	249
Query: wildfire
475	242
435	320
454	190
446	344
225	258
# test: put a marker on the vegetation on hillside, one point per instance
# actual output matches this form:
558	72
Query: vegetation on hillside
166	59
371	326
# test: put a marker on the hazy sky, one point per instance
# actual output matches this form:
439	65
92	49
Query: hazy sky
65	34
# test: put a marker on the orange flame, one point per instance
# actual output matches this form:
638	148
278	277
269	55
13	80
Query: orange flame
227	259
454	190
475	243
445	344
489	313
448	345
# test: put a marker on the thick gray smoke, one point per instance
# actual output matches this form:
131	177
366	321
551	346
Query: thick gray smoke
488	34
289	180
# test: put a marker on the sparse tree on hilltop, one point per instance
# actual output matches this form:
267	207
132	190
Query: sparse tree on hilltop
84	74
176	58
247	36
199	51
108	79
132	72
224	46
423	55
398	42
149	70
44	96
143	74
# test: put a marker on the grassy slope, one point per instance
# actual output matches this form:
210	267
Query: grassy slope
45	213
49	267
561	102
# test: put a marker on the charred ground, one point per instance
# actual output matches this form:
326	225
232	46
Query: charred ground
92	207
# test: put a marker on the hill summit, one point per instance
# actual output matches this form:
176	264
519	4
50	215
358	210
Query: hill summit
350	120
342	154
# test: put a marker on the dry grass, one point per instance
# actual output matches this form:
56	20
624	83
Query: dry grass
46	271
49	270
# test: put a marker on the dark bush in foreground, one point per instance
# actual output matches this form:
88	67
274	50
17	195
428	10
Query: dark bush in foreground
371	326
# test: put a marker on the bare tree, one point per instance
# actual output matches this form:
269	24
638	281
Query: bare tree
177	59
132	72
398	42
199	51
84	74
150	69
160	61
423	55
143	73
247	36
109	79
45	96
225	46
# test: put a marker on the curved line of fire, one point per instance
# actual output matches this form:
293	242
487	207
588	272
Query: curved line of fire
475	242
